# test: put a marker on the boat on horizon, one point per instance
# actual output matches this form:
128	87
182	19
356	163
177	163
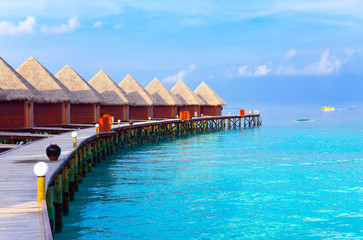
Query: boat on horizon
328	108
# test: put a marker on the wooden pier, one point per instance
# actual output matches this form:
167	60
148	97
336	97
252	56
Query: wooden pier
22	217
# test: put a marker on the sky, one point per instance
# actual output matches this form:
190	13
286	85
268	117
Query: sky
252	53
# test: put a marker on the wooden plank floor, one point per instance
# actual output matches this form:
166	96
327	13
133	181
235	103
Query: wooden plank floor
20	214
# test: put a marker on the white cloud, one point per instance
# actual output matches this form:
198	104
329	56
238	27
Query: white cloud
242	71
211	77
11	29
180	75
326	65
261	70
72	24
291	54
97	24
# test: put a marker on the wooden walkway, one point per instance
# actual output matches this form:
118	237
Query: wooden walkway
21	216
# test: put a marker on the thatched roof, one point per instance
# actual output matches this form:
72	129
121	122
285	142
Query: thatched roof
161	94
208	95
136	94
14	87
110	91
49	86
83	92
186	95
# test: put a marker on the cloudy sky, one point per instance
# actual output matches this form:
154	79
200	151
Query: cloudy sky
250	52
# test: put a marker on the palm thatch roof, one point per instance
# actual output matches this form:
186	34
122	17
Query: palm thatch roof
83	92
136	94
161	94
49	86
208	95
110	91
14	87
186	95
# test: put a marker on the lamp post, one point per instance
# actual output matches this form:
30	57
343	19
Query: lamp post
97	127
119	123
149	119
74	136
41	169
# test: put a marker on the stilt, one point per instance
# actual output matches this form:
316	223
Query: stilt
58	204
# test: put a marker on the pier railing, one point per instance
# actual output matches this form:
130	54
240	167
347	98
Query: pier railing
64	180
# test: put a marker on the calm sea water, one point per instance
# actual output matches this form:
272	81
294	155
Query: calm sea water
284	180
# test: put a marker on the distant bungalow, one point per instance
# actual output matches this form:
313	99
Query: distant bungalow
55	109
140	101
87	108
115	100
190	101
17	97
213	102
165	103
31	96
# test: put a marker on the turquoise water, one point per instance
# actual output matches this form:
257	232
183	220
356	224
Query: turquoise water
284	180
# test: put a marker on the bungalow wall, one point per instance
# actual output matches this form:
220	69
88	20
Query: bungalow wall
116	111
13	114
83	113
191	109
163	111
139	112
210	110
49	114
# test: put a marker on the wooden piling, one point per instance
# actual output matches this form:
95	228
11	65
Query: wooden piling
89	157
50	206
65	188
84	161
77	178
58	204
71	180
94	153
98	150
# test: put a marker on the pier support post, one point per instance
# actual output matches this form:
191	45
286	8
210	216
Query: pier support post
89	157
50	206
58	204
103	148
98	150
77	177
107	141
65	188
111	143
116	141
94	153
71	180
84	161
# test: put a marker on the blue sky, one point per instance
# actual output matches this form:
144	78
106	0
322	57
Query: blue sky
249	52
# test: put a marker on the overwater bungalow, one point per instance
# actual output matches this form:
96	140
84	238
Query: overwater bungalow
190	101
165	103
17	97
115	99
55	109
214	102
86	108
140	101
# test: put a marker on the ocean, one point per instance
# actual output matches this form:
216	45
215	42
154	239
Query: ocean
283	180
